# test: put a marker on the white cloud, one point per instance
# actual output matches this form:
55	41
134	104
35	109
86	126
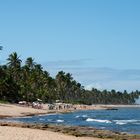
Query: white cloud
100	78
93	85
67	63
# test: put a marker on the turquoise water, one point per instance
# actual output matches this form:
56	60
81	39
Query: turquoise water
121	120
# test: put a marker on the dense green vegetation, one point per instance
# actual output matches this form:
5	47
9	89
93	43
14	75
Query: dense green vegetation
29	82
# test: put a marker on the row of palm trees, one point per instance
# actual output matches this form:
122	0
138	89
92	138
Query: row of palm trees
29	82
32	82
110	97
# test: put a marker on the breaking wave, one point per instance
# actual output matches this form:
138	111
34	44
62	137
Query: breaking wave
97	120
60	121
123	122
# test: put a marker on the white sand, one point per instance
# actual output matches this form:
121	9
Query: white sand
16	110
14	133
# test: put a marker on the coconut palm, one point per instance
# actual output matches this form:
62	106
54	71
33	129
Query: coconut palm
14	65
30	63
14	61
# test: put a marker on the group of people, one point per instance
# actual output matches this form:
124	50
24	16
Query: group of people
60	106
55	106
36	104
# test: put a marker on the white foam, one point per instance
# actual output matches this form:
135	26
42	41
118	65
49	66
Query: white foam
131	121
77	116
122	122
60	121
97	120
84	116
90	120
42	115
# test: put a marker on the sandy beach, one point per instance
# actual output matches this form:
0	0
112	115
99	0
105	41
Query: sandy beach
17	133
14	133
10	110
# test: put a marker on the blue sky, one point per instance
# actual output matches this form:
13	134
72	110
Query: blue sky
98	41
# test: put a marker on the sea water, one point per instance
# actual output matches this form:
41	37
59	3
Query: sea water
121	120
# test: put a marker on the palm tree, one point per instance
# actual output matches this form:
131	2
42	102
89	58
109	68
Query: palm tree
60	83
30	63
14	61
14	65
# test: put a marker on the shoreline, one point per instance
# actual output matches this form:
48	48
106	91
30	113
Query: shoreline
10	110
15	110
76	131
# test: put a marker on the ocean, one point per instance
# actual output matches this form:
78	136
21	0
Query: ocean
121	120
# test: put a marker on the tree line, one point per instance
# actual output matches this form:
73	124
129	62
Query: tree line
29	82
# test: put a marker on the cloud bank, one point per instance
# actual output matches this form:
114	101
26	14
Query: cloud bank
100	78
